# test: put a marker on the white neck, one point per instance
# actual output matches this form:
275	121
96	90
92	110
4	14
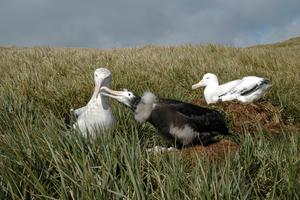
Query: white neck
99	100
209	92
102	102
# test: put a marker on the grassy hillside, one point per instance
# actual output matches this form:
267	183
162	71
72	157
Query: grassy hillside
41	159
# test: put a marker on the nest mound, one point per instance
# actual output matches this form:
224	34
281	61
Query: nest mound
215	151
250	117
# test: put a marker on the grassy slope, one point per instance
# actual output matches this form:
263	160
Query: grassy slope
41	159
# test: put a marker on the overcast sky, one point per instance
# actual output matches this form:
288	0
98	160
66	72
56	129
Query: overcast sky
131	23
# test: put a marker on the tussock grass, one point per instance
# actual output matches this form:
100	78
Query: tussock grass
41	159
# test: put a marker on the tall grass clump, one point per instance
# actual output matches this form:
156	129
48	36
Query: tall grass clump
41	159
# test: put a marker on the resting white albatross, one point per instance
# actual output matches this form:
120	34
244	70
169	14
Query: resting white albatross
97	115
247	89
183	122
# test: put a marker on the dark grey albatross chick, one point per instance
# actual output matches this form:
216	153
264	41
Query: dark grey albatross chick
185	123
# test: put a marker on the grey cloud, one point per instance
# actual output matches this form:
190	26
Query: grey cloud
291	29
136	22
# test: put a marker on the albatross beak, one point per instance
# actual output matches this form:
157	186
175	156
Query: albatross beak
197	85
125	97
111	93
121	96
98	87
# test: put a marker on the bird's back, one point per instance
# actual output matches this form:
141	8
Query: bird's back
226	87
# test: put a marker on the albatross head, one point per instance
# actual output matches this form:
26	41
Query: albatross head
102	77
208	79
125	97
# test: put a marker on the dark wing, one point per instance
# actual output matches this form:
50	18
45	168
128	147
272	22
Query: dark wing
168	101
249	85
201	119
255	87
187	123
189	109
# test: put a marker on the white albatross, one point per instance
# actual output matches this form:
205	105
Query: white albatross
97	115
247	89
